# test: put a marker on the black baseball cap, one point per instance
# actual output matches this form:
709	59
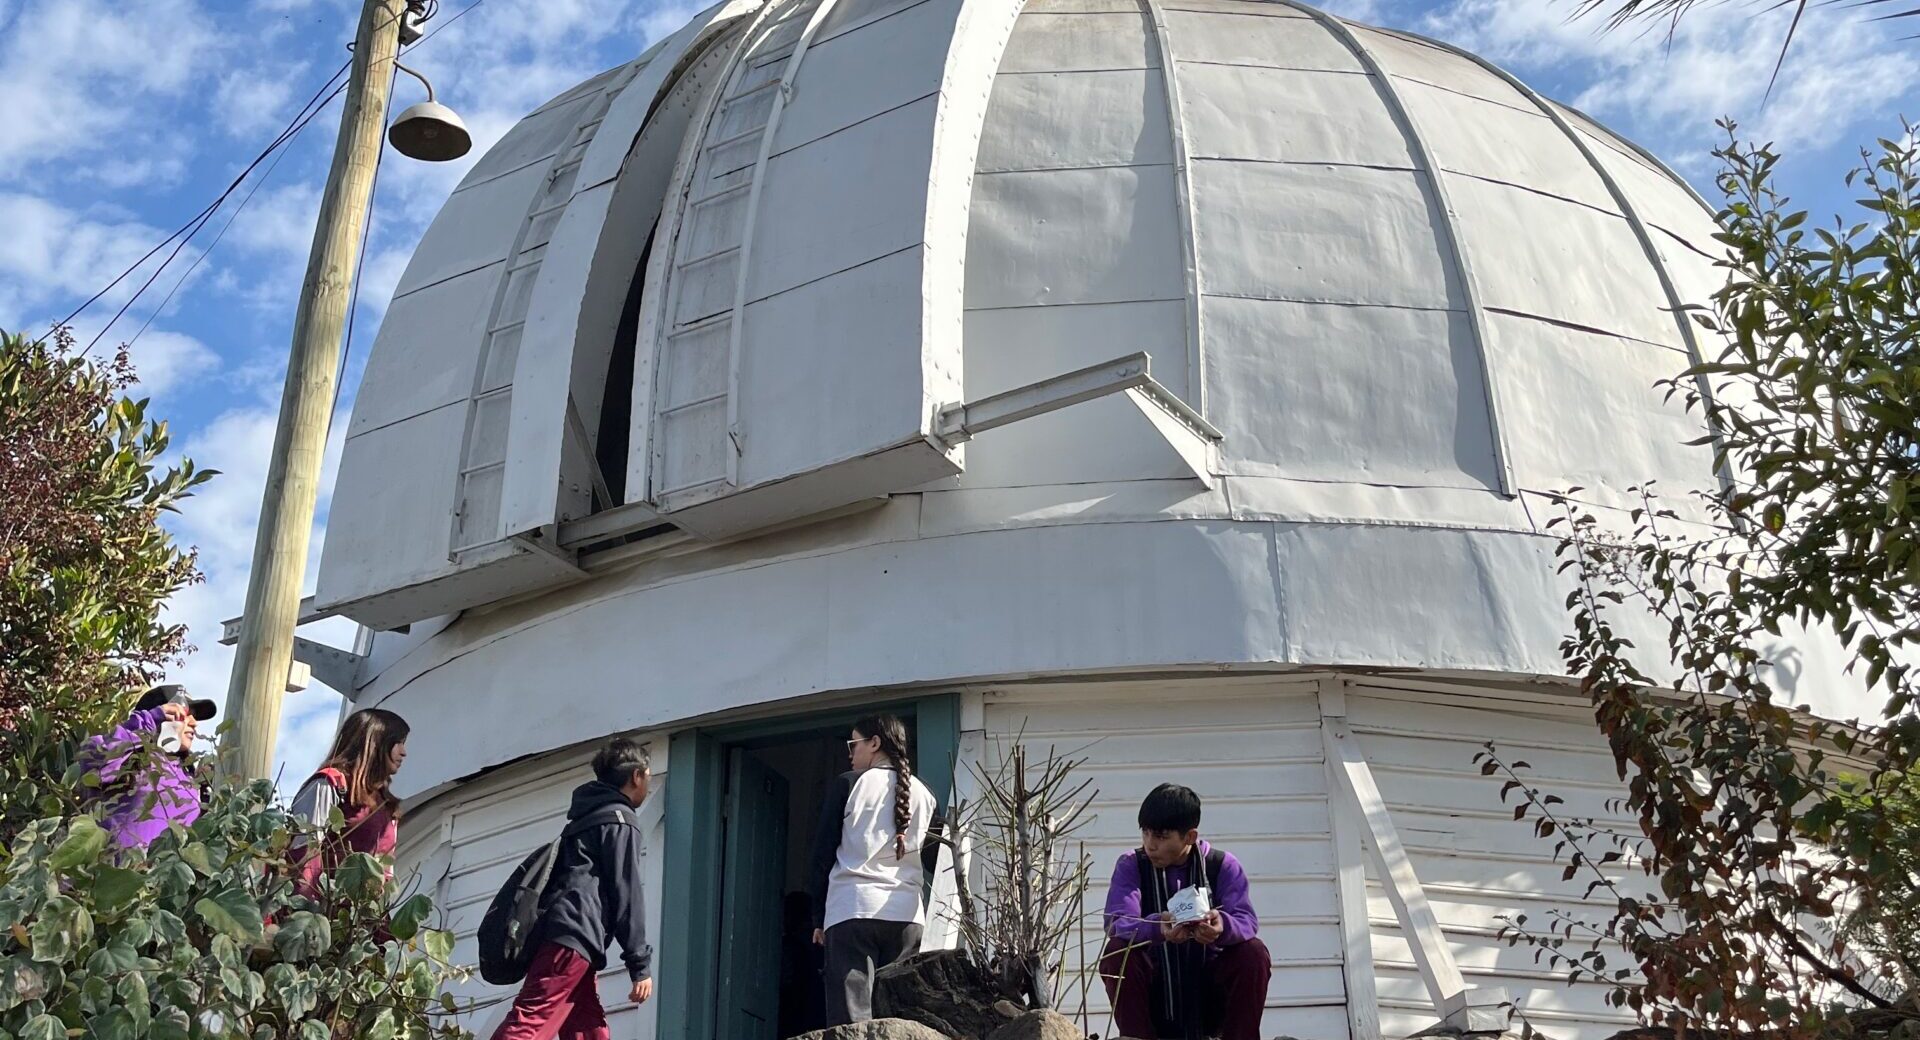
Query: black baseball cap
174	693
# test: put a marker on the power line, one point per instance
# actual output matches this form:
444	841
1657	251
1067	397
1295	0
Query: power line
195	224
265	176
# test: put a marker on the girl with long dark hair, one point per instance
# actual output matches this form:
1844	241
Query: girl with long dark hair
867	868
356	778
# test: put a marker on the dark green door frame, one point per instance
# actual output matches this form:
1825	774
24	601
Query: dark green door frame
688	949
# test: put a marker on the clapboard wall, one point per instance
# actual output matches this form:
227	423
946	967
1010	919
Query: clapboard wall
1251	748
1476	863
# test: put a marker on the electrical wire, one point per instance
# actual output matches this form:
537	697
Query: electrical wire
200	219
320	99
265	175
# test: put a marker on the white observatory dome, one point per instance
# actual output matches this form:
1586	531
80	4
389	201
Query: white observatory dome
1128	372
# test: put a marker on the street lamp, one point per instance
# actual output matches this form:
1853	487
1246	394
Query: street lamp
429	131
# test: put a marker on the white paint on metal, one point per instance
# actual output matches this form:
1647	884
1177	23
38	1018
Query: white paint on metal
1448	229
1170	80
813	11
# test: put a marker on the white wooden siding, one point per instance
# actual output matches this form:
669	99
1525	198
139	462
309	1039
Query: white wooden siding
1252	751
1474	861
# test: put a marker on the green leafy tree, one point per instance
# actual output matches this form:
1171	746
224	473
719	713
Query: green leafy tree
1779	845
84	564
201	933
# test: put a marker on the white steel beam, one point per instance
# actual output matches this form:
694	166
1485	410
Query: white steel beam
1189	434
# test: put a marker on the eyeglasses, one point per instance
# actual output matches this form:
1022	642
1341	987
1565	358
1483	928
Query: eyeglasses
856	740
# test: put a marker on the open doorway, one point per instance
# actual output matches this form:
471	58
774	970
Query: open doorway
736	951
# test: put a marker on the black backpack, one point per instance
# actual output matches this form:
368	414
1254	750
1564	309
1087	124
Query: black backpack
505	931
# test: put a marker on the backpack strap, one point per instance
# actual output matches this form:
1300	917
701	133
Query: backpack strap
610	813
1150	902
1216	858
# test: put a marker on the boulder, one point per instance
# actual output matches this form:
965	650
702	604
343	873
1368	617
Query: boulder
1041	1024
941	989
877	1029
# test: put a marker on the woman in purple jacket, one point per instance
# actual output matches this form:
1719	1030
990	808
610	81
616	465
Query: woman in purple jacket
1191	979
143	766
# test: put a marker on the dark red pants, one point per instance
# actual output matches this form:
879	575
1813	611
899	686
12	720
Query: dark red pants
1235	988
560	997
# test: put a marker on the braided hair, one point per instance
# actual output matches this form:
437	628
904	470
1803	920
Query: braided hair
892	735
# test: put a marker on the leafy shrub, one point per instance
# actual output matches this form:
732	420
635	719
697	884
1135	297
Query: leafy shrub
200	934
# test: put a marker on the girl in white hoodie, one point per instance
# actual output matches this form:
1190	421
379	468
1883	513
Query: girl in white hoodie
868	866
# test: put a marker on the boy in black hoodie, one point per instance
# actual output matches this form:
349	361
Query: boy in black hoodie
592	898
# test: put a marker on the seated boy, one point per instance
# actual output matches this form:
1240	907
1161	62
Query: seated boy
1189	980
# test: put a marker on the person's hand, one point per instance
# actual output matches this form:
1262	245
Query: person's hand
642	991
819	937
1174	933
1209	928
173	712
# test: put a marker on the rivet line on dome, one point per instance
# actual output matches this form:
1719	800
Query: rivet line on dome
1448	226
1640	231
1183	201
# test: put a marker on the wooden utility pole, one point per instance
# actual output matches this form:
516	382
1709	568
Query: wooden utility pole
265	650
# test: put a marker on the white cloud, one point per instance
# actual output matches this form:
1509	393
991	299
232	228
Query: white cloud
166	361
85	77
1841	71
51	254
255	101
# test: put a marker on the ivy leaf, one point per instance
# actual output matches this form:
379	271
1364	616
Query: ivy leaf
61	926
132	992
382	1027
195	855
113	959
115	1024
314	1029
114	887
303	937
409	916
439	944
232	913
85	840
43	1027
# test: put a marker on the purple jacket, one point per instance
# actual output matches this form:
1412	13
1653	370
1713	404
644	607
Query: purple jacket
1238	922
147	788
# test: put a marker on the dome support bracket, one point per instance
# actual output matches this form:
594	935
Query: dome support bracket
1186	431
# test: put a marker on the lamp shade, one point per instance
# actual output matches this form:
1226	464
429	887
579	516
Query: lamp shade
430	131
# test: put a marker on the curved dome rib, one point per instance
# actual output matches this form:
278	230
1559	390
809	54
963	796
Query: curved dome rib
1469	285
768	130
1634	220
1183	201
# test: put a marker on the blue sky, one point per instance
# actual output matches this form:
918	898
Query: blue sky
121	120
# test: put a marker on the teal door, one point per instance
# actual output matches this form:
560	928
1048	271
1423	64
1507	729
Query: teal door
754	865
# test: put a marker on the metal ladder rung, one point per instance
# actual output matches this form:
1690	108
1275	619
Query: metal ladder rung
689	405
743	135
701	324
761	89
705	258
721	194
